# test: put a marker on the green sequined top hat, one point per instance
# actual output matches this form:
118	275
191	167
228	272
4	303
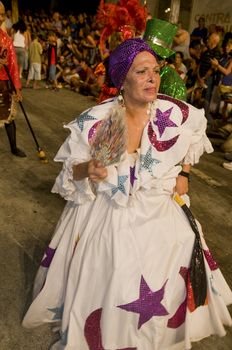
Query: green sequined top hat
159	35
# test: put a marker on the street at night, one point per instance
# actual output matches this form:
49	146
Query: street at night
30	211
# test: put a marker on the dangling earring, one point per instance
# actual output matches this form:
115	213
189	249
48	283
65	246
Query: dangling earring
121	99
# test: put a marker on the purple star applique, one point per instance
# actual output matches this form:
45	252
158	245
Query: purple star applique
49	253
163	120
148	304
132	175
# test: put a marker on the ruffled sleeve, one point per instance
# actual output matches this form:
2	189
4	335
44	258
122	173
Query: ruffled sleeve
199	141
75	150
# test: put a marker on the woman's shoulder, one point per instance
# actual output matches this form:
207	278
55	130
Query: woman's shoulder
92	115
178	106
100	110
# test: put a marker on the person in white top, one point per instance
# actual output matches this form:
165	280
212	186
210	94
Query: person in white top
180	67
19	43
181	41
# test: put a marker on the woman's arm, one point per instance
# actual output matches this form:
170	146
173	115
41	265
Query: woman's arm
180	37
92	169
223	70
183	180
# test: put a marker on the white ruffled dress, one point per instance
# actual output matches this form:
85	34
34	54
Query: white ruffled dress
114	274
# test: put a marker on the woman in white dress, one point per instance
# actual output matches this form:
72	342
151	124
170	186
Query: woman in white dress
116	274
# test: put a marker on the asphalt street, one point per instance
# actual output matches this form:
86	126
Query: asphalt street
29	211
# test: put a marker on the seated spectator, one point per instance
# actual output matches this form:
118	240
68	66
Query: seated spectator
56	23
89	84
70	73
89	43
180	67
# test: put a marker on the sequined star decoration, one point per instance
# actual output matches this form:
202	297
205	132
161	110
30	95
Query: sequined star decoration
163	120
58	312
147	162
121	181
84	117
49	254
132	175
148	304
182	106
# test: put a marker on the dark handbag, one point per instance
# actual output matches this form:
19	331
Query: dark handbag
197	272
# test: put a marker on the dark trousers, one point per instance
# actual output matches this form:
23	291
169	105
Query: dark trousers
11	134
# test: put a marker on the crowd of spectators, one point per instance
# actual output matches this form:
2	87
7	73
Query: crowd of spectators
64	51
65	47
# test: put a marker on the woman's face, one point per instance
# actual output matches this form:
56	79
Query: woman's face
143	80
229	47
178	58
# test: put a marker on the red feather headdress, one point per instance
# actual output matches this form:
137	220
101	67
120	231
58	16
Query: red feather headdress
127	17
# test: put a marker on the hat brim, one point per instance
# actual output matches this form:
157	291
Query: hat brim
161	51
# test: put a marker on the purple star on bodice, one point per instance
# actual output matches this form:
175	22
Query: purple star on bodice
148	304
163	120
132	175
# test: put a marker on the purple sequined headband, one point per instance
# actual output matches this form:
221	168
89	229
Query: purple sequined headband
122	57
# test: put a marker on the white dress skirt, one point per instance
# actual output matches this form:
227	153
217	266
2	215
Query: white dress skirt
115	274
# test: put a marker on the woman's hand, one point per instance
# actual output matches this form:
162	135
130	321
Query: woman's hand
17	95
214	62
93	169
96	171
182	186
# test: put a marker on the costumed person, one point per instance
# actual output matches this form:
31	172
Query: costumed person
159	35
107	89
122	270
119	17
8	64
118	22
